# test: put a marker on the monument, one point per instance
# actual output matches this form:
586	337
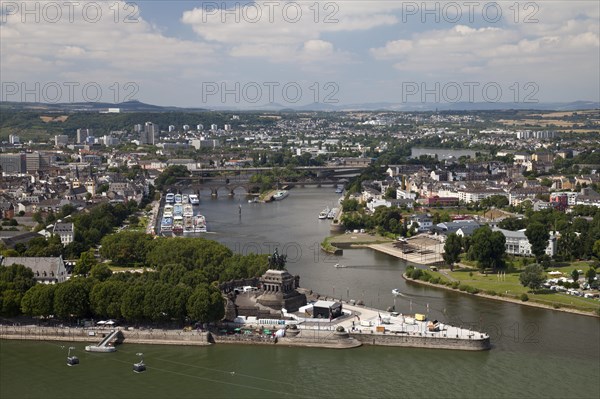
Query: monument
279	286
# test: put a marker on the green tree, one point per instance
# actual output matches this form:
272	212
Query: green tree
86	262
132	305
452	249
126	247
39	300
106	298
590	274
100	272
488	248
206	304
71	298
538	236
533	276
169	176
575	275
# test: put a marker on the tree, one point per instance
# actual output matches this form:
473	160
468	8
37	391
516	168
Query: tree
206	304
533	276
452	249
86	262
590	274
100	272
71	298
538	236
126	247
575	275
132	305
39	300
106	298
488	248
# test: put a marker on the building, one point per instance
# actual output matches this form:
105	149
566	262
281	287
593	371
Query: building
204	143
46	270
279	291
518	244
327	310
66	232
150	134
442	201
424	221
214	127
7	210
35	161
83	134
13	163
61	140
14	139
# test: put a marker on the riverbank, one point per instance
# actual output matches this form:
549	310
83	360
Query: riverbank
501	298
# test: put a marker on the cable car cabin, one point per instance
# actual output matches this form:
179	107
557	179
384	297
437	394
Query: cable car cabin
139	367
72	360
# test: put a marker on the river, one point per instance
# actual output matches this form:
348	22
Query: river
536	352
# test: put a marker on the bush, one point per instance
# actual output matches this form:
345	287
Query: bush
416	274
556	306
491	292
425	276
463	287
524	297
455	284
435	280
472	290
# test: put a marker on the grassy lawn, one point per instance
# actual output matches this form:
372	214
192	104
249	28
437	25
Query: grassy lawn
510	286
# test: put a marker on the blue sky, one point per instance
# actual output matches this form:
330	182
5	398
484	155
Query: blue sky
193	53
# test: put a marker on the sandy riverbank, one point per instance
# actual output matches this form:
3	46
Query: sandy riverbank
502	298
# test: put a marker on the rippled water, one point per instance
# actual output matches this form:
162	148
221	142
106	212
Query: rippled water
537	352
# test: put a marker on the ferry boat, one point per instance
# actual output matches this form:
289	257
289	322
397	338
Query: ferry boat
188	225
194	200
188	210
178	210
324	213
178	198
332	213
166	224
279	195
185	198
199	224
177	225
170	198
168	211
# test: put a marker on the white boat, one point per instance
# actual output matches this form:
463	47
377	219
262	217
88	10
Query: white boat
253	200
168	212
100	349
339	266
170	198
339	190
194	200
188	224
324	213
185	198
199	223
279	195
166	224
178	210
177	225
332	213
396	292
178	198
188	210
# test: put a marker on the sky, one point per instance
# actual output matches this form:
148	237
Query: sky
248	54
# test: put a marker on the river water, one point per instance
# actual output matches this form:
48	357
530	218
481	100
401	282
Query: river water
536	352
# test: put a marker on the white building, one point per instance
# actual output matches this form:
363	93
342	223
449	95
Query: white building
518	244
66	232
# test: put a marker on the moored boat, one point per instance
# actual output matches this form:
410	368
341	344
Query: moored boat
279	195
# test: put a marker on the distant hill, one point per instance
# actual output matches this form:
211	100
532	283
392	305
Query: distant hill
137	106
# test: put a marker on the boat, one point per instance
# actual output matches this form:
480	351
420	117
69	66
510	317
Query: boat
188	210
166	224
339	266
194	200
339	190
177	224
170	198
324	213
253	200
188	224
199	223
396	292
332	213
178	198
100	349
178	210
185	198
168	211
279	195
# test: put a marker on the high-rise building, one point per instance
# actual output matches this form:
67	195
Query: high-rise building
186	128
83	134
213	127
227	127
199	127
137	128
14	139
61	140
171	128
13	163
150	134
